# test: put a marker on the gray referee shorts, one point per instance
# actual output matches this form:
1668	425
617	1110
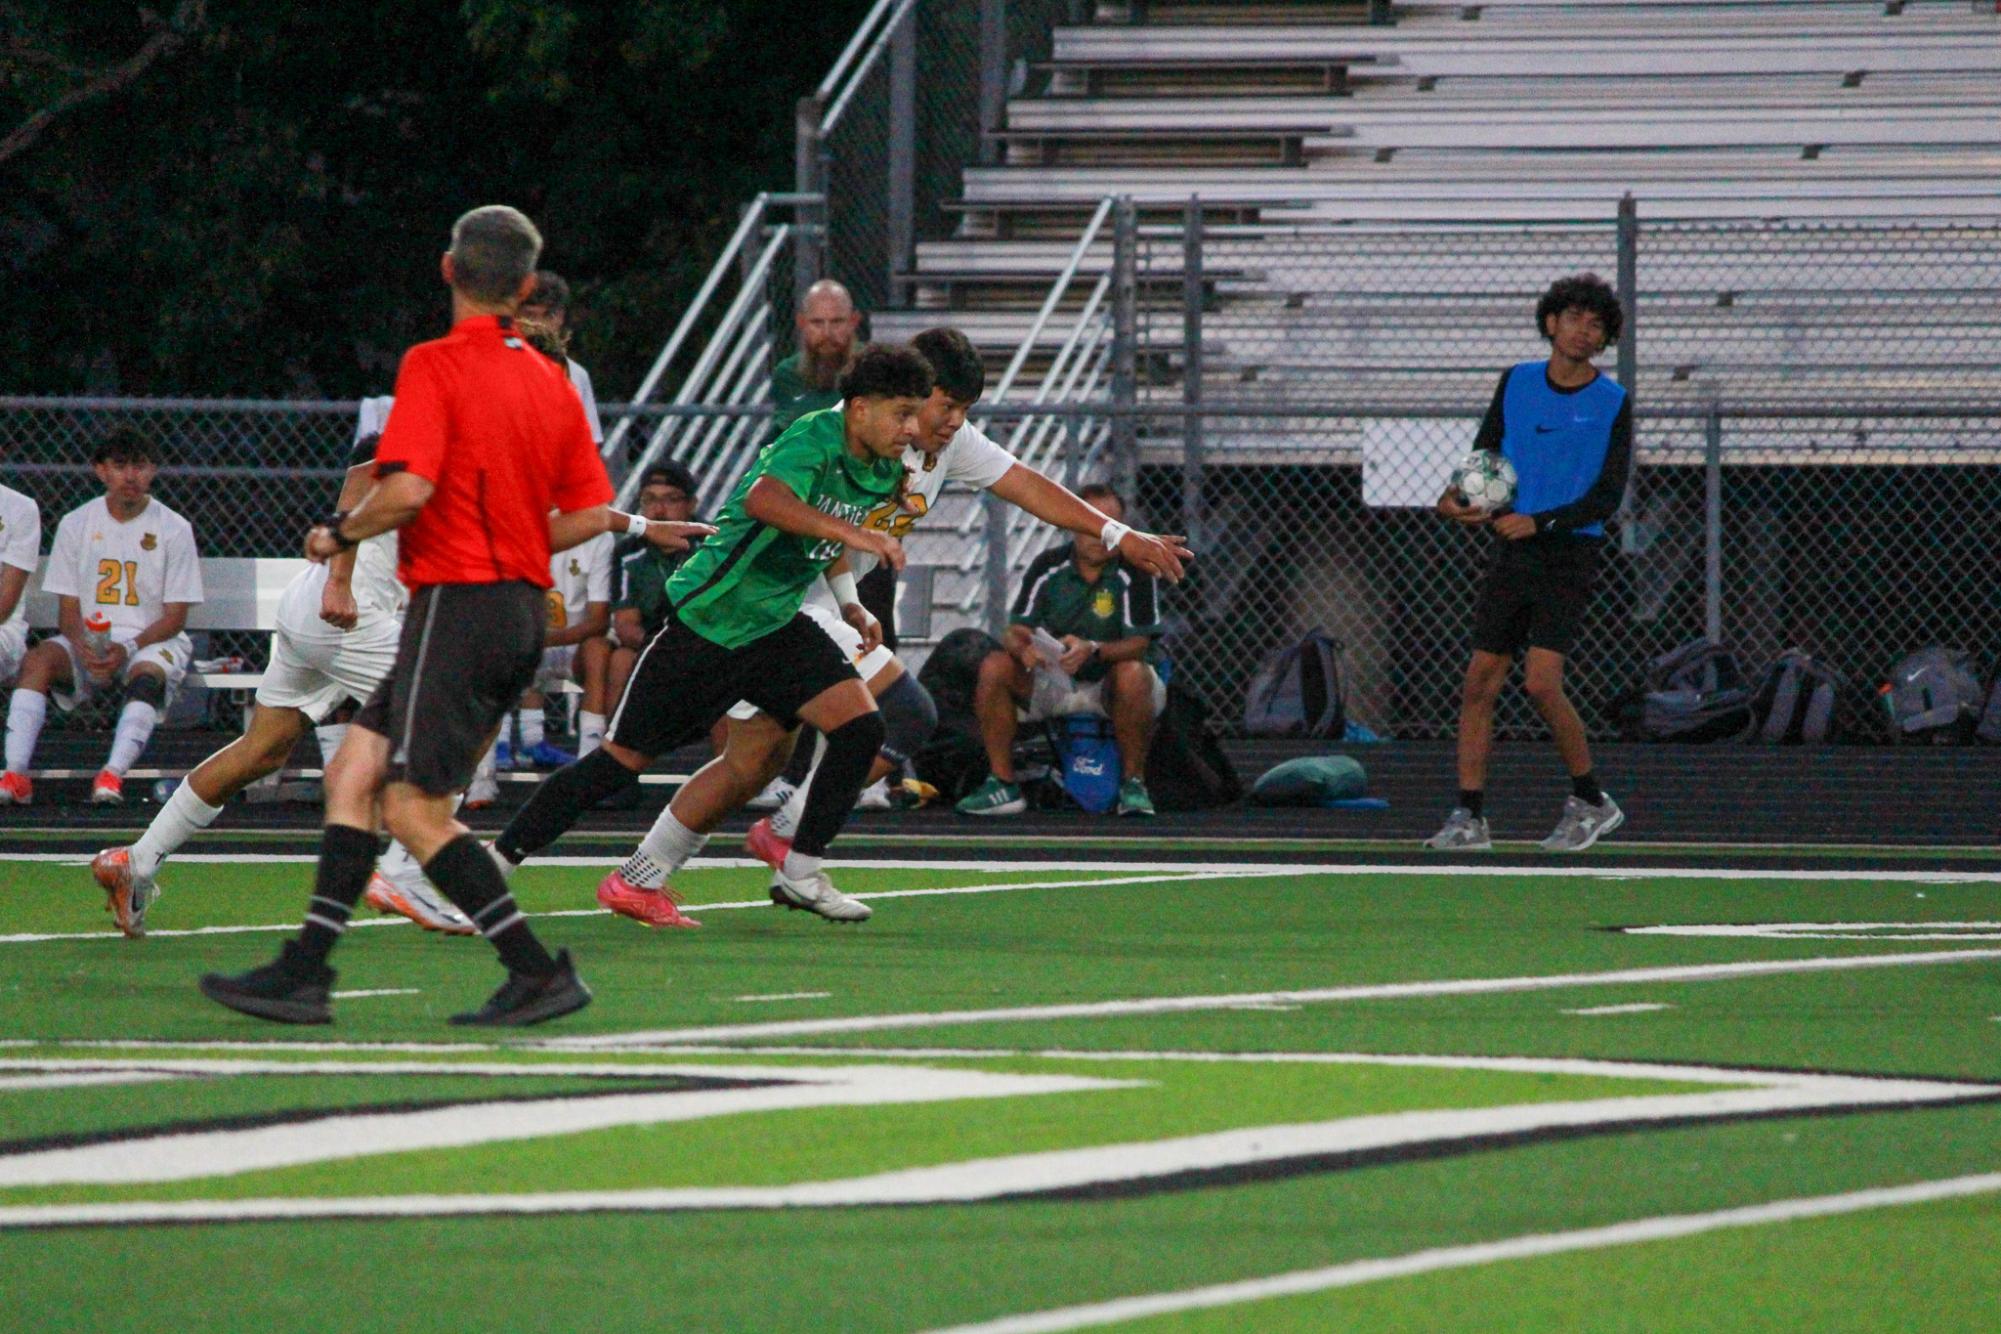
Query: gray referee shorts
467	653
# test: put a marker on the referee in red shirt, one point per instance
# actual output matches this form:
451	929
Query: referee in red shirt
486	439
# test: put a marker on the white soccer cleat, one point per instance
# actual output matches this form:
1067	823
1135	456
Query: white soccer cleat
874	797
418	903
776	793
816	894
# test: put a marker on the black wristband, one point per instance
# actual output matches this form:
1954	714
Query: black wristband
332	524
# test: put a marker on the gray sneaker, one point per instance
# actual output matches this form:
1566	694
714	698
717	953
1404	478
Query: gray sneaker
1584	824
1463	832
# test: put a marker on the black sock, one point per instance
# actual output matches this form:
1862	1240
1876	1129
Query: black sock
1585	787
347	856
801	764
470	880
1473	799
851	749
560	800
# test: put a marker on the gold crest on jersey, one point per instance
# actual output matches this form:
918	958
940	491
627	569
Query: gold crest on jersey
1104	604
148	542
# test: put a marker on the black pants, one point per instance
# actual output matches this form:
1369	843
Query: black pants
683	682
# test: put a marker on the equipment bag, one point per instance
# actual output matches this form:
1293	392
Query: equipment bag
953	669
1186	769
1933	695
1989	729
1694	694
1087	759
1700	664
1795	704
1299	690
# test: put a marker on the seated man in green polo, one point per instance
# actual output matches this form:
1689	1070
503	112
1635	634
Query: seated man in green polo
1106	617
639	582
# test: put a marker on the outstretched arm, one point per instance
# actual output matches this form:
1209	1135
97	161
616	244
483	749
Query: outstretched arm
1054	503
775	504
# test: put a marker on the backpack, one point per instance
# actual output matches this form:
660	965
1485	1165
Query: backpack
1087	760
953	669
1795	704
1989	729
1299	690
1933	695
1694	694
1186	769
954	758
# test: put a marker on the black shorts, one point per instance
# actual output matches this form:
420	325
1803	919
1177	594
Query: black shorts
1535	595
467	653
683	682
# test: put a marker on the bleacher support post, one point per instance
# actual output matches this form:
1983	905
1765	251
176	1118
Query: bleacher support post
993	515
1125	344
1712	524
1629	345
993	76
1191	372
809	178
902	152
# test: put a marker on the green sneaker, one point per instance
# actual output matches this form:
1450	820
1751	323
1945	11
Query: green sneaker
1133	798
993	797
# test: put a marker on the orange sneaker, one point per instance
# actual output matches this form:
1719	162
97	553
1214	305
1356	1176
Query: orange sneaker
108	790
765	845
127	894
419	905
16	790
654	907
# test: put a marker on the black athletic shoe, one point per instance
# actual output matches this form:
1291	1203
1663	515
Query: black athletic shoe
525	999
291	990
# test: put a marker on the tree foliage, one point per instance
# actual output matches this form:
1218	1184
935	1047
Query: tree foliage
257	207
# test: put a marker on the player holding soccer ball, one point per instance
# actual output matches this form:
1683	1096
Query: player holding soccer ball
1567	432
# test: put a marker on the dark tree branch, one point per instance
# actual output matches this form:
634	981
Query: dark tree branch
167	38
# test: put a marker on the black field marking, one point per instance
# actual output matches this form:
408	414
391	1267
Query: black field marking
1321	1164
636	1083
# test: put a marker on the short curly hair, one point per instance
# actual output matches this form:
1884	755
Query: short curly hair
884	370
1582	291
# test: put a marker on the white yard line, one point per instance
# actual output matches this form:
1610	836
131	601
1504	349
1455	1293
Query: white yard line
1357	1272
787	996
379	991
1637	1007
1712	972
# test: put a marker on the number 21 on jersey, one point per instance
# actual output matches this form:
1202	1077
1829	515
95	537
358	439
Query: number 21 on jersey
112	573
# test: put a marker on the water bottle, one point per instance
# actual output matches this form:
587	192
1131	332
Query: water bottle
97	635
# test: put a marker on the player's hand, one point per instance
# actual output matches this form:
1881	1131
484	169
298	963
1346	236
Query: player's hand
1515	527
866	625
1161	557
880	545
338	607
107	667
676	535
1452	507
320	544
1076	652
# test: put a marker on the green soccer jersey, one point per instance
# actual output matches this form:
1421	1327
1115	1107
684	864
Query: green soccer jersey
792	398
1120	604
749	579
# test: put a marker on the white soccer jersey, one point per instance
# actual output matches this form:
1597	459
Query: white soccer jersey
128	571
377	590
582	576
20	543
971	456
580	379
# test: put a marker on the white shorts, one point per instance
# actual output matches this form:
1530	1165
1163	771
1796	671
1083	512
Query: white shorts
13	647
557	669
169	656
848	639
1058	696
314	669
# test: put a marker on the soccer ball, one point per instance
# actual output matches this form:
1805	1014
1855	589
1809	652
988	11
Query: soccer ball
1485	480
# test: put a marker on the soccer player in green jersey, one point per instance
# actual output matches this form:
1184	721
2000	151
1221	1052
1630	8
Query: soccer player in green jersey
737	634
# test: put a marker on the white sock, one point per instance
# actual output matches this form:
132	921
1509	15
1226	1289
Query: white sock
785	820
484	770
330	736
531	728
184	816
798	866
135	729
25	716
666	849
590	732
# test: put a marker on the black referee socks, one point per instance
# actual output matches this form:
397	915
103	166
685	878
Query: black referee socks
347	856
560	800
851	750
470	880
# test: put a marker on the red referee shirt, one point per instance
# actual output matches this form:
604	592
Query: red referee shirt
496	427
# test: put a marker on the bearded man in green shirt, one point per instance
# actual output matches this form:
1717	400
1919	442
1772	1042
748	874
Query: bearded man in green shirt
737	634
809	379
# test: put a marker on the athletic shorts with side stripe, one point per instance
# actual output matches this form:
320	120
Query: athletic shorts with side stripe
683	682
467	653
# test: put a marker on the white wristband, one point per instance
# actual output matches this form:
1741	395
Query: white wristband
1112	533
843	586
635	524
